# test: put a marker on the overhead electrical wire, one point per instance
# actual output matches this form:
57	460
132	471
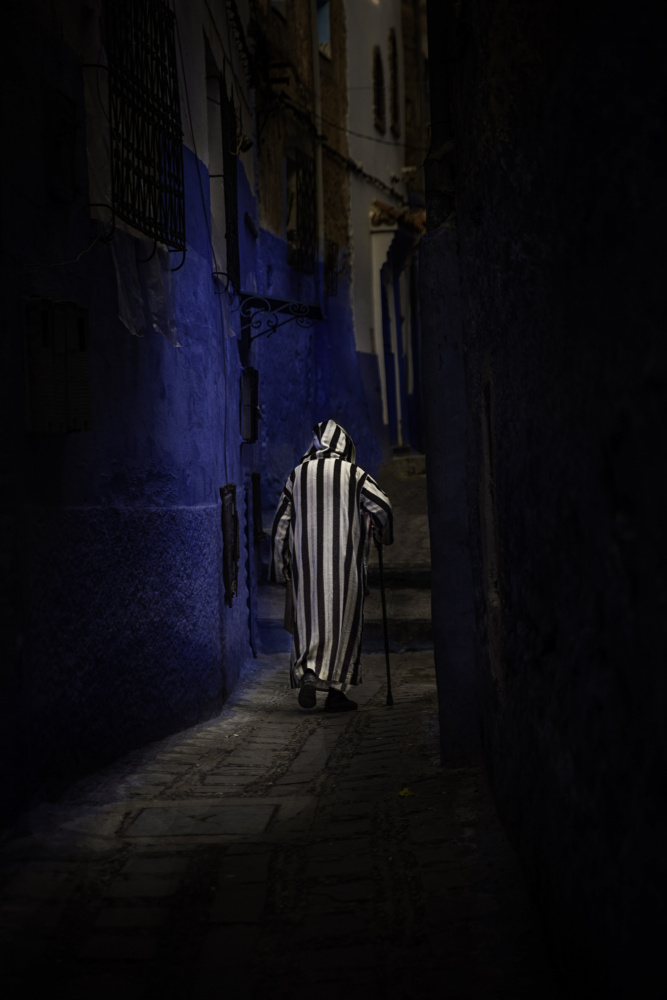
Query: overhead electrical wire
240	91
341	128
355	167
348	131
105	237
371	138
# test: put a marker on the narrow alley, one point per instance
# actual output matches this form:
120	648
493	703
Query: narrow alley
273	852
227	226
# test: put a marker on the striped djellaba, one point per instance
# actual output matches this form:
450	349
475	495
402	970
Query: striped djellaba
321	536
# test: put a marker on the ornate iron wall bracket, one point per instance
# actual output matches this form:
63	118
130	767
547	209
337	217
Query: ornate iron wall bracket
265	314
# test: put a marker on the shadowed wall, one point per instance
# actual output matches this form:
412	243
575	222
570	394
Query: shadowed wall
547	408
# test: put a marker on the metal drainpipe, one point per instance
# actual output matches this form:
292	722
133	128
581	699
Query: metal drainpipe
319	178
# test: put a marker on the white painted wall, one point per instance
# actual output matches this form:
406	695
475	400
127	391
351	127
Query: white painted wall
380	241
368	24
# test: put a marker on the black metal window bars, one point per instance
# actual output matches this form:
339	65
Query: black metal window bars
394	106
379	106
302	213
145	120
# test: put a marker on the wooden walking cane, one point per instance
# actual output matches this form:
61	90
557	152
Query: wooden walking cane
390	700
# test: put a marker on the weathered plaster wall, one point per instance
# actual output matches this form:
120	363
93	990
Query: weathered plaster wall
381	156
341	392
550	147
445	443
306	375
115	626
334	100
114	623
371	27
377	160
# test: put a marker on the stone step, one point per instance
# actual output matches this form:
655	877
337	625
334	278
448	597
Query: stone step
408	618
403	604
401	577
404	636
405	463
395	576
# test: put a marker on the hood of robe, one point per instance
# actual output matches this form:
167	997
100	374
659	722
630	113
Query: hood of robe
330	439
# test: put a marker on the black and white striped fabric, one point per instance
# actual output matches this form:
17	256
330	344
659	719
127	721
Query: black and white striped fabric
320	540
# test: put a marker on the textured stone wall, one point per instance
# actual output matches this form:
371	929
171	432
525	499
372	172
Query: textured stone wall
547	166
445	445
114	626
114	629
306	375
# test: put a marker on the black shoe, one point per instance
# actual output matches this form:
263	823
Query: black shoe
307	696
337	702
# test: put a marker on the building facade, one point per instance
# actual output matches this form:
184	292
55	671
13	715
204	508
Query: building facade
177	226
387	119
542	284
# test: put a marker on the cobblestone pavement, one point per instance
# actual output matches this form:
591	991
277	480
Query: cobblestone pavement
276	853
273	853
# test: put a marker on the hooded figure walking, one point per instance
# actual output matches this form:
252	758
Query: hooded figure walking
320	541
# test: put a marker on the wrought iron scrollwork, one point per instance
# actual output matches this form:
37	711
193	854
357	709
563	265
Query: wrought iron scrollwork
266	314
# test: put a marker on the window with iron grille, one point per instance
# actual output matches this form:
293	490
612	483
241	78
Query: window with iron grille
379	109
394	110
229	168
145	119
301	213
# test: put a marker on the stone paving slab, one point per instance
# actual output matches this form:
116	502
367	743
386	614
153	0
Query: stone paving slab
346	860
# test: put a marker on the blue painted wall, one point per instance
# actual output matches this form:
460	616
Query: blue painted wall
306	375
115	631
